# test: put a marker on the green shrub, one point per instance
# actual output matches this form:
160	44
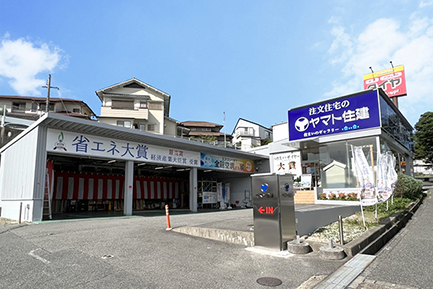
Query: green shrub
408	186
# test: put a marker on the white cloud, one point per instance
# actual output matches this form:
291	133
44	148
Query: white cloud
379	43
342	41
425	3
21	61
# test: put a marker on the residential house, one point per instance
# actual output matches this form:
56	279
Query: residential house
248	134
30	107
137	105
19	112
206	132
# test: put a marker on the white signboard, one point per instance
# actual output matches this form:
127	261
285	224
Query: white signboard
209	197
287	163
66	142
306	181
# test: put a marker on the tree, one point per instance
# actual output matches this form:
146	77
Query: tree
423	137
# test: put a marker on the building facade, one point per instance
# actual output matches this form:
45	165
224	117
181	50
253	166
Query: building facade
321	138
247	134
32	108
136	105
206	132
65	164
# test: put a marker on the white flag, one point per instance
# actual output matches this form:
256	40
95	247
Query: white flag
365	178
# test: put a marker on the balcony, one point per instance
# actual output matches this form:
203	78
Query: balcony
142	113
244	131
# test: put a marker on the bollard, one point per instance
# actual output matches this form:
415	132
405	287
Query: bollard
21	211
340	222
168	218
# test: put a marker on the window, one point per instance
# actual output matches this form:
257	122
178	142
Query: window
124	123
337	165
122	104
21	106
150	127
34	107
155	105
43	106
77	110
143	104
395	126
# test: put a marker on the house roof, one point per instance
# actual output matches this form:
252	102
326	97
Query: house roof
200	124
249	122
43	99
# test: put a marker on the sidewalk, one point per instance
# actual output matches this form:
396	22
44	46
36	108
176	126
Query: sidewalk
407	259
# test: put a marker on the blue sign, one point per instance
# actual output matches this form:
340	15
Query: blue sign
338	115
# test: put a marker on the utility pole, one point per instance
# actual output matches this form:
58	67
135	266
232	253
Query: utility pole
48	87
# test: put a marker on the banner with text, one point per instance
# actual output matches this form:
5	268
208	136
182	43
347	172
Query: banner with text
340	115
66	142
225	163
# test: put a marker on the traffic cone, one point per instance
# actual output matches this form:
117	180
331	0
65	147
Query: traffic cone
168	218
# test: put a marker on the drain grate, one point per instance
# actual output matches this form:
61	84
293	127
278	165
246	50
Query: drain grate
269	281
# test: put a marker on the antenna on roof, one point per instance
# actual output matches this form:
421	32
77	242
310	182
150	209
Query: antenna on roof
392	65
224	122
371	70
48	86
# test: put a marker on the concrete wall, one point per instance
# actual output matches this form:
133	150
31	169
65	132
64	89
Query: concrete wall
309	220
170	128
280	131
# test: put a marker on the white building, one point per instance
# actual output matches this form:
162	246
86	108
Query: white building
136	105
30	107
318	146
247	134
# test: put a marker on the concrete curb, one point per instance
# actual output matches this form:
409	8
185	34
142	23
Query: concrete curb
369	243
374	239
235	237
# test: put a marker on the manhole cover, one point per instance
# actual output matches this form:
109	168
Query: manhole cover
269	281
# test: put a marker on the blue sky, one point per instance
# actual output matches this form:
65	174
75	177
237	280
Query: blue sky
249	59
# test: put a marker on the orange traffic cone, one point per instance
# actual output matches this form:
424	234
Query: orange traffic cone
168	218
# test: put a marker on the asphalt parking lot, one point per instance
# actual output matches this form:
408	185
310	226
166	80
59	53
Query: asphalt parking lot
137	252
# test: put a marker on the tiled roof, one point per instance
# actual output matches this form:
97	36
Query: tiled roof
34	98
199	124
